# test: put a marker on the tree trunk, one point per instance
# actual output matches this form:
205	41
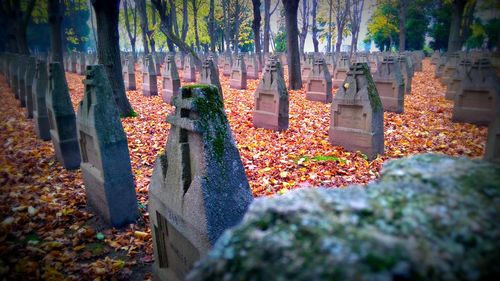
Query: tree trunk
55	14
19	22
161	7
330	26
342	12
211	26
402	24
195	21
237	26
185	20
256	27
225	9
173	12
151	36
108	50
141	7
127	26
454	41
314	27
292	32
305	25
267	24
356	14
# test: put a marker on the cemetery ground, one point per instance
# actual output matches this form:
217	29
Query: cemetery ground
47	232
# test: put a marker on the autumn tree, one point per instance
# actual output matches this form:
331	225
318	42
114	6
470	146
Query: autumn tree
55	13
17	13
314	26
131	29
268	12
256	27
108	50
143	17
293	56
355	15
461	19
403	8
304	12
211	25
341	8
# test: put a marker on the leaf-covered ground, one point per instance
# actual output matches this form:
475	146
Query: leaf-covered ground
46	232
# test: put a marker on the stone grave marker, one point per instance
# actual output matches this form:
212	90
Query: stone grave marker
435	58
306	66
357	117
406	71
341	70
40	89
179	61
390	85
149	81
157	62
440	65
373	61
319	83
417	61
252	66
226	67
81	63
129	74
62	119
492	152
450	67
271	99
238	74
73	62
456	78
13	71
170	79
28	78
330	63
189	73
199	187
106	169
21	84
209	75
476	101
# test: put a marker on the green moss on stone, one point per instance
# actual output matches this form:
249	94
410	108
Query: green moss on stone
372	88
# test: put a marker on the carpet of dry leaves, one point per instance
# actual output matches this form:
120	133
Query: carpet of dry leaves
46	232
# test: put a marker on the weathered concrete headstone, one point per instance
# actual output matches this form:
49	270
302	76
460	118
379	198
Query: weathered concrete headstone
81	63
450	67
73	62
306	66
28	78
406	71
492	152
238	78
341	70
441	62
21	85
390	85
189	72
62	119
374	62
157	62
149	81
319	83
179	61
456	78
40	89
252	66
435	58
271	99
13	66
476	101
209	75
228	63
106	169
330	61
129	74
170	80
199	187
357	116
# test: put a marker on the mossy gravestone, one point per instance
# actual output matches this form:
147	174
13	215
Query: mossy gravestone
29	78
199	187
238	78
149	81
106	170
319	82
406	71
209	75
357	117
477	98
129	74
170	80
40	89
341	70
62	119
271	99
429	217
390	85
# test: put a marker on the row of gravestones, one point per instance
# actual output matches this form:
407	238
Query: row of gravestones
76	62
198	188
472	82
92	140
